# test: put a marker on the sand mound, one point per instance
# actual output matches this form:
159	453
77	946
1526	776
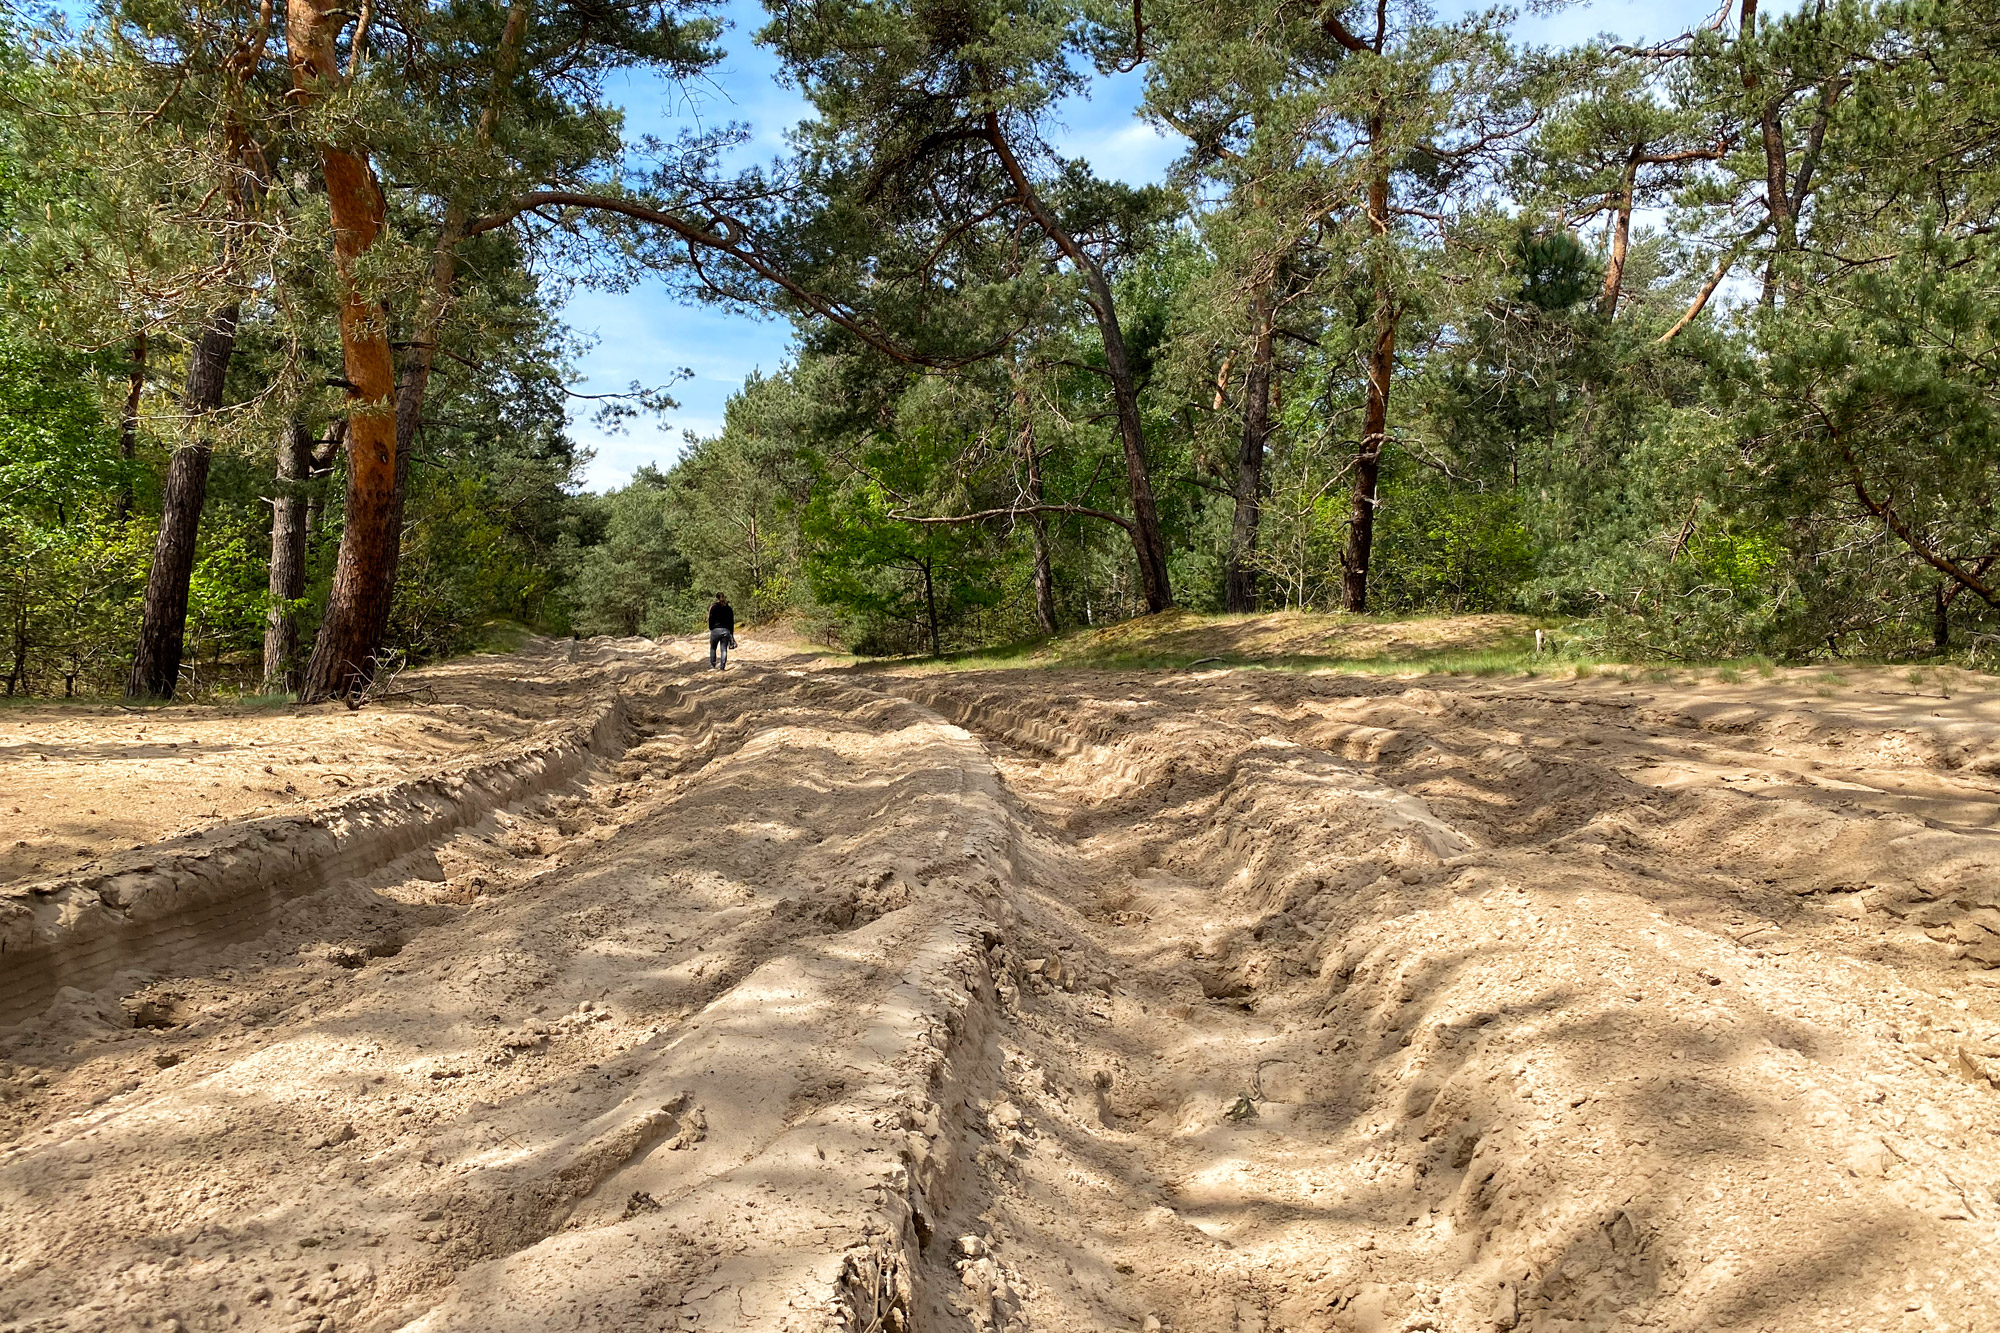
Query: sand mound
1077	1001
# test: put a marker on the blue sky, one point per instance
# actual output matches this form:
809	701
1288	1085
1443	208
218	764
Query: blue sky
645	334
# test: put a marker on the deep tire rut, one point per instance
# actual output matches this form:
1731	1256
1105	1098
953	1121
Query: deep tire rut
1068	1001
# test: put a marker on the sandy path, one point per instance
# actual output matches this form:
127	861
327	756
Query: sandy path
1061	1001
1397	1005
80	781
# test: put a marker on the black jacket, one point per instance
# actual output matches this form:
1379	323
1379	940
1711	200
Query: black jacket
722	616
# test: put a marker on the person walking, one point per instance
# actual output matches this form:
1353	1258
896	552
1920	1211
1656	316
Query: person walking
721	632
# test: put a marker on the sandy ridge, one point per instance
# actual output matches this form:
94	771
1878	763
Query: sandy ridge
1553	1048
1237	1002
159	907
712	1131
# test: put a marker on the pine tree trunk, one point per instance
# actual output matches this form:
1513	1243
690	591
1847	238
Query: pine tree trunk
288	562
416	373
1375	413
128	427
1038	527
1240	575
1148	543
320	464
1621	239
156	667
417	367
357	609
1045	573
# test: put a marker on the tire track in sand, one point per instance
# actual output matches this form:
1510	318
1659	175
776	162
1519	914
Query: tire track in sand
660	1085
1287	1047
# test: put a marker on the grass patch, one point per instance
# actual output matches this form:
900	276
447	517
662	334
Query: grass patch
1489	645
1480	646
281	699
503	636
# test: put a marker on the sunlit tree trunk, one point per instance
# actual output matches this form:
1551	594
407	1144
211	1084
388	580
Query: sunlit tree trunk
1621	238
357	610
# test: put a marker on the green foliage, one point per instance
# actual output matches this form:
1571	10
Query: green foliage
737	500
57	456
69	597
72	570
895	582
631	578
1452	549
227	596
904	586
1554	270
1719	403
467	559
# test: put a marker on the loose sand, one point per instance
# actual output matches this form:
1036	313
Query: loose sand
1217	1001
78	781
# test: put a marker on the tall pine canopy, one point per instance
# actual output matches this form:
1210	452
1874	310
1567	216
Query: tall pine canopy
1688	340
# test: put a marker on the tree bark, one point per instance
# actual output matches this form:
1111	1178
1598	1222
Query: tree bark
357	610
288	562
1769	128
930	608
156	667
128	427
320	464
163	619
1148	543
417	366
1240	575
1621	238
1375	410
1038	528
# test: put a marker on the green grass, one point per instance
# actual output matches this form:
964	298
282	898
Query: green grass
1134	646
1110	650
278	700
109	701
503	636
